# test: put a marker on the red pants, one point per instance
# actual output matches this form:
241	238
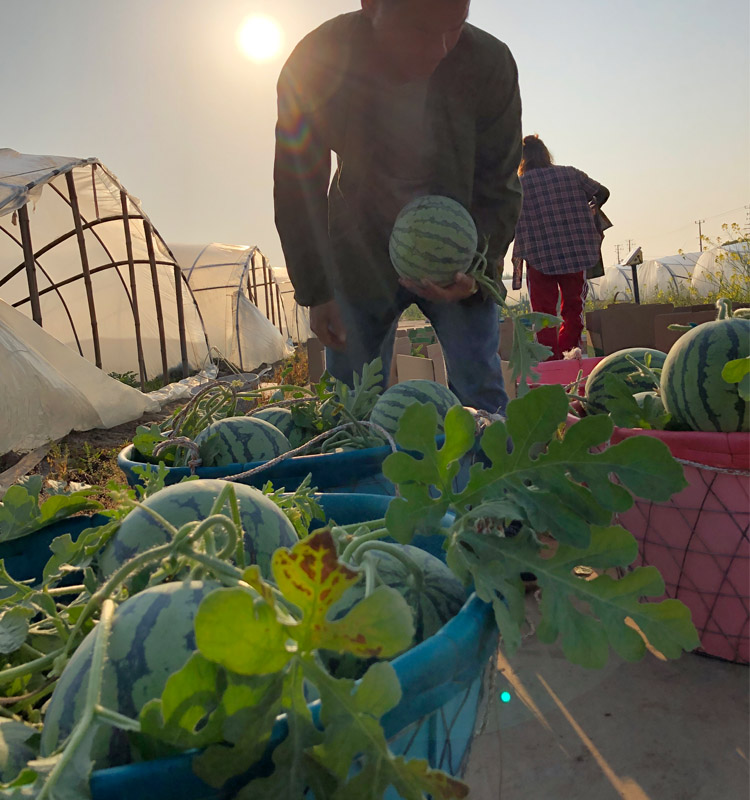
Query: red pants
544	292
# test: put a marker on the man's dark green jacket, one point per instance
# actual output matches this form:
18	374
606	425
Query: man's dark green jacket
324	104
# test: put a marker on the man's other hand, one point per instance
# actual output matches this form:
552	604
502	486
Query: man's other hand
326	324
463	286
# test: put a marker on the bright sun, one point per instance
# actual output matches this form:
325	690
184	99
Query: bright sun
259	38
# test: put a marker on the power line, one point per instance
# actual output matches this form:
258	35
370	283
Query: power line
715	216
699	222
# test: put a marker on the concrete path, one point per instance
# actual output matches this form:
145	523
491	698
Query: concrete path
653	730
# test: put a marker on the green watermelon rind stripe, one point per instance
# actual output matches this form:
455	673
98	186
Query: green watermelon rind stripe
692	385
392	404
445	207
432	235
243	440
436	227
266	527
595	390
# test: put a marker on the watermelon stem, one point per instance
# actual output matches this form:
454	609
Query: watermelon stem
116	719
397	552
30	667
93	694
354	545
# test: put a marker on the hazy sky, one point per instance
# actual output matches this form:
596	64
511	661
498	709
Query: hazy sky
649	97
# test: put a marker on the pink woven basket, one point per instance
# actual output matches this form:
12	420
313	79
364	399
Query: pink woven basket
699	539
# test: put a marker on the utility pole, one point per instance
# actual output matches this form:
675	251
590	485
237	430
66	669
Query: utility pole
699	222
617	250
630	245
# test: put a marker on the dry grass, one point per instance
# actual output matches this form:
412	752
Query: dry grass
294	370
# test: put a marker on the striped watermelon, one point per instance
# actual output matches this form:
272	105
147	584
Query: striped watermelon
438	599
279	417
283	419
433	237
693	390
240	440
657	402
618	364
265	525
394	401
152	636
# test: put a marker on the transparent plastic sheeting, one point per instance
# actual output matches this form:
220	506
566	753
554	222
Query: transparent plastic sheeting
184	389
41	183
48	390
220	277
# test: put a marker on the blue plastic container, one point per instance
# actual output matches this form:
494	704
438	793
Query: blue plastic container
441	680
25	557
350	471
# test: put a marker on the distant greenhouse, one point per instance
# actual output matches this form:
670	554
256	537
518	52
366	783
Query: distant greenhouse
248	308
79	256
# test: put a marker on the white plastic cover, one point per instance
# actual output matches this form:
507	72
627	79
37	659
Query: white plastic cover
48	390
668	274
220	277
41	182
722	265
616	285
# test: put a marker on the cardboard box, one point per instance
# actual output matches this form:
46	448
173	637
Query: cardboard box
401	347
414	368
664	338
435	354
622	325
683	315
505	347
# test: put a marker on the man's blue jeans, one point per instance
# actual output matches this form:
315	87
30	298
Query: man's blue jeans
468	334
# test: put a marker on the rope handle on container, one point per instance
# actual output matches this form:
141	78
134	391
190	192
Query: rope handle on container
195	461
741	472
319	438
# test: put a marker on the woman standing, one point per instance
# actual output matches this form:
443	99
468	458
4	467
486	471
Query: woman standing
558	237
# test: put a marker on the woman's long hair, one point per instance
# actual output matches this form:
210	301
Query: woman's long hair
535	154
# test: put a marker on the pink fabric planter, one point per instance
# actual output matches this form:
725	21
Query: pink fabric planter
564	371
699	539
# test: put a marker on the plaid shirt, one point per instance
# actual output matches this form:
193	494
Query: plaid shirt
556	232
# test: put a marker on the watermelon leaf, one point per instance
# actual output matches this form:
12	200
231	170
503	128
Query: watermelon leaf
21	512
559	483
625	410
19	743
310	577
537	480
145	440
526	352
239	630
14	627
257	660
351	714
738	371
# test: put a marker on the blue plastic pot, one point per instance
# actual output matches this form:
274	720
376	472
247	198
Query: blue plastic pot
350	471
440	678
25	557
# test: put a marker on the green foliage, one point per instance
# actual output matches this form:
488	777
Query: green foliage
22	513
257	648
627	412
526	352
565	486
738	371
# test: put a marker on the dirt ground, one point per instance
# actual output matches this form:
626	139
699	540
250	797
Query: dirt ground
90	457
